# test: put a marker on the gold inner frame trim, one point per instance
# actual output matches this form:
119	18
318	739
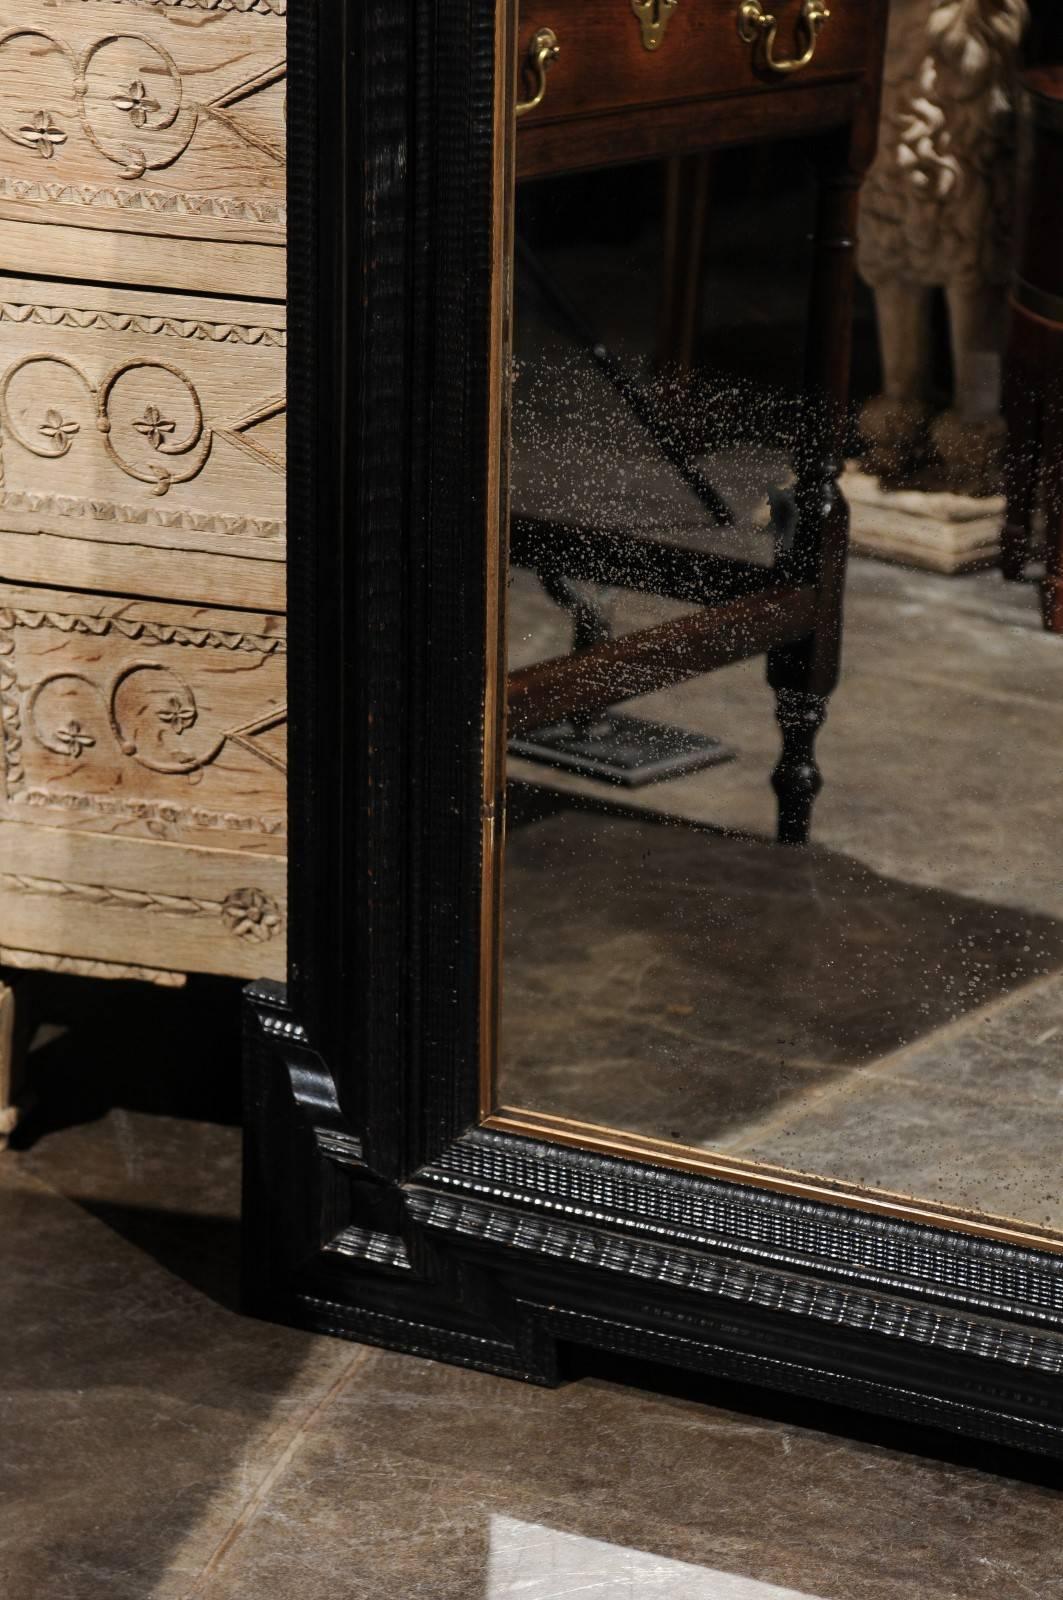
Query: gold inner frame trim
493	772
542	1125
804	1186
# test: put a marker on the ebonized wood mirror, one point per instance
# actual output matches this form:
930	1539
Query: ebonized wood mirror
593	1034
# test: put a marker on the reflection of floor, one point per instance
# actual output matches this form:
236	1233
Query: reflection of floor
157	1446
881	1009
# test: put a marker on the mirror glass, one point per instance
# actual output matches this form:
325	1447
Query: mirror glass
880	1008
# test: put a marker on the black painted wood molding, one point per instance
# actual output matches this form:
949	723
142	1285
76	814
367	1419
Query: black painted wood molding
375	1206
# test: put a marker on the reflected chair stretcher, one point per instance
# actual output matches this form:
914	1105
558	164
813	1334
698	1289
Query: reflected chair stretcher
595	676
706	86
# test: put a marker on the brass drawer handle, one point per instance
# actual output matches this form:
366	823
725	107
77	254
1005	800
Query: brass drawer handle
543	50
754	23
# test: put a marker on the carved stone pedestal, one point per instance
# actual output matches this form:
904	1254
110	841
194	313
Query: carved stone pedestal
937	531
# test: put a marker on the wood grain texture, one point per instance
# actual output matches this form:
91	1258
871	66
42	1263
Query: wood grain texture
146	419
86	967
144	719
145	117
142	453
218	266
134	568
141	902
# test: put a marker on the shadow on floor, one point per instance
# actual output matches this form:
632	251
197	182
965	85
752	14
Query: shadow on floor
177	1051
668	979
176	1056
137	1414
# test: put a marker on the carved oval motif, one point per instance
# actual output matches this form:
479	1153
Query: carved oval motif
147	414
131	103
152	710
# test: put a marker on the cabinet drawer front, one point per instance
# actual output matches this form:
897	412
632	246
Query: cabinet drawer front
145	116
604	70
141	419
124	901
153	721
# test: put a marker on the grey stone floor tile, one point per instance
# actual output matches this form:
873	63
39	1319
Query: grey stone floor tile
981	1153
137	1416
157	1447
1011	1056
742	988
171	1183
695	982
419	1481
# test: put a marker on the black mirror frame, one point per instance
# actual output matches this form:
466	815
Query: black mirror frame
376	1204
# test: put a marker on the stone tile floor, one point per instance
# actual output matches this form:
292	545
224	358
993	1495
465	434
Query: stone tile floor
158	1446
884	1009
155	1445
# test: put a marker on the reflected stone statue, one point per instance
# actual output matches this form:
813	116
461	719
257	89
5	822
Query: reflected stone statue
936	213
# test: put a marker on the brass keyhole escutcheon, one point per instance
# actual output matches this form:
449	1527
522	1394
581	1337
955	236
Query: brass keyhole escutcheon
654	16
758	27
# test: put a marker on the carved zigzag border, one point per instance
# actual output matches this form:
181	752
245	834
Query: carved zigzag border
86	320
211	522
159	202
269	8
143	628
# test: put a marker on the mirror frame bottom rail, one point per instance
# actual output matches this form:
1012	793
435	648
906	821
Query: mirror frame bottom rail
377	1205
501	1249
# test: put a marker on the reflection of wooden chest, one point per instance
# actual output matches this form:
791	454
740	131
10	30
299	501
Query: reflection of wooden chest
656	78
142	349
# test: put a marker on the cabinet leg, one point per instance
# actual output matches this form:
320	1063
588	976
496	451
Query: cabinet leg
797	779
8	1064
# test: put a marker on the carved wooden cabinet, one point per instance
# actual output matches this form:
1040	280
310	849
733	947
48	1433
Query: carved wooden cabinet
142	496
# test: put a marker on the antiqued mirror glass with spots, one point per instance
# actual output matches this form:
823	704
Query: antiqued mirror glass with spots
142	500
757	502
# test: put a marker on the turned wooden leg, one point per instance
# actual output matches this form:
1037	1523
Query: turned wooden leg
8	1109
803	674
797	779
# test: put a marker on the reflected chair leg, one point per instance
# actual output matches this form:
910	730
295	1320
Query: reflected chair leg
797	779
804	674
